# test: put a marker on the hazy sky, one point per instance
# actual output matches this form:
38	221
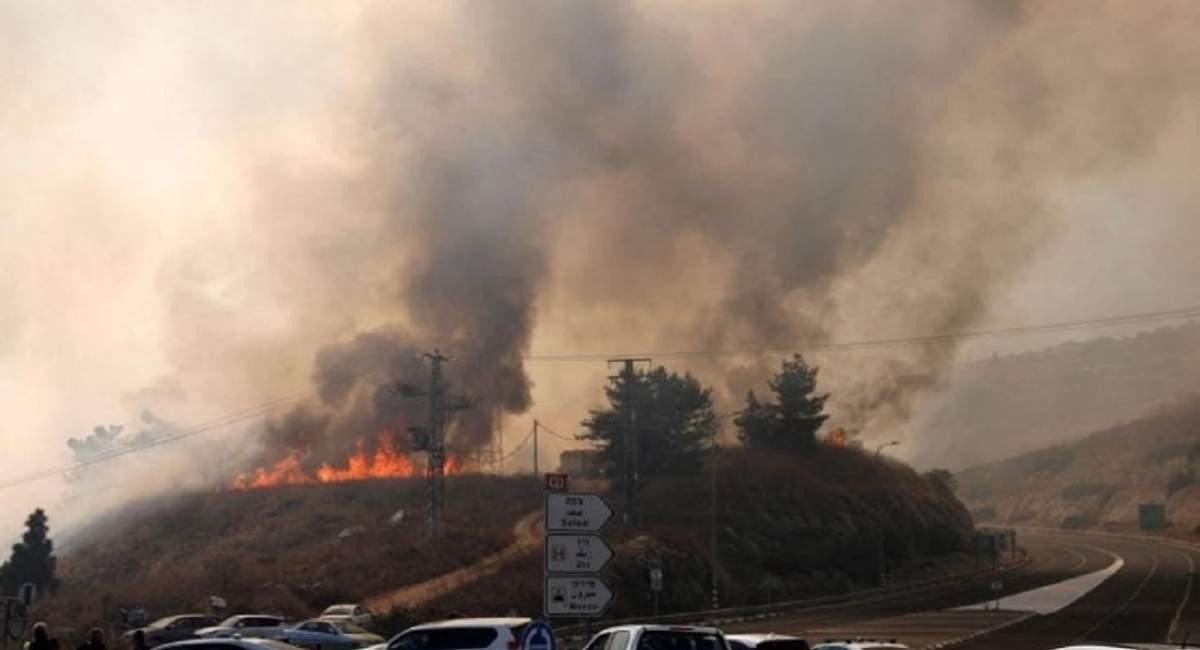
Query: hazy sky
195	199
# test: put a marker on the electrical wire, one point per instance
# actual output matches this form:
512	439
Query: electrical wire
262	409
1007	332
552	432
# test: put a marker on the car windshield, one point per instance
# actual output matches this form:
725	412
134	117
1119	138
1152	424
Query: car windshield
869	324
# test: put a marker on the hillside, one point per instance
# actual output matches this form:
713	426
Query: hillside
1008	405
788	528
1100	480
290	549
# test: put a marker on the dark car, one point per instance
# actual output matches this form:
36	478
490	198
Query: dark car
174	628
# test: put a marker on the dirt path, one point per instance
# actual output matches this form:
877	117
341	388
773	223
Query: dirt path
527	536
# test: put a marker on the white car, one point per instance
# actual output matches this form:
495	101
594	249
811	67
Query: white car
658	637
861	644
357	614
765	642
462	634
246	626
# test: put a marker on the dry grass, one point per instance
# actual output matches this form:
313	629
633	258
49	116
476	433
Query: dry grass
790	527
278	550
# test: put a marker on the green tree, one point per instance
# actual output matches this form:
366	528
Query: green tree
32	558
672	419
791	422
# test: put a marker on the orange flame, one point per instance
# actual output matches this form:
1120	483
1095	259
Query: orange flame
385	462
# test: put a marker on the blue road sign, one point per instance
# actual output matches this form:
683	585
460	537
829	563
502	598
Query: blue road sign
538	636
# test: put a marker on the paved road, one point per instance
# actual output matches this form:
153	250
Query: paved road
1143	601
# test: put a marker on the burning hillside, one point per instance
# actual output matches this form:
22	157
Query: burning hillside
386	460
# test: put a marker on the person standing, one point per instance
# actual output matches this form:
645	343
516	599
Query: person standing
41	639
95	640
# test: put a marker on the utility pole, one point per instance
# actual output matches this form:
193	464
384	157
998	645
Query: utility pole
433	440
629	469
535	448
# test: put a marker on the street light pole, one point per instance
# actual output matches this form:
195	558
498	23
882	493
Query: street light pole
885	445
714	447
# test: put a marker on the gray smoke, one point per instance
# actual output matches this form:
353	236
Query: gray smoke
708	179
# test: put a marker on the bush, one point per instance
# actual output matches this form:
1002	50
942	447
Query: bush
1077	521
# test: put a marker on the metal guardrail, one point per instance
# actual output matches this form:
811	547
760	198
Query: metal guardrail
739	614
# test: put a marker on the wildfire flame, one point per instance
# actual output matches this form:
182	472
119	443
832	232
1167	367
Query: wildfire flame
385	462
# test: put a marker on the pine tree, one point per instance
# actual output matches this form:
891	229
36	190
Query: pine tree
673	420
32	558
791	422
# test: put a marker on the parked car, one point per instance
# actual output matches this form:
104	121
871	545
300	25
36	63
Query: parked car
765	642
245	626
658	637
462	634
228	644
325	634
357	614
173	628
861	644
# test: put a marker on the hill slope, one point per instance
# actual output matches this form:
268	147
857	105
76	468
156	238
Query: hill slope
290	549
788	527
1099	480
1014	404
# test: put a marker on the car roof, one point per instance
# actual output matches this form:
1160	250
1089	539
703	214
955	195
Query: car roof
691	629
862	643
474	622
244	643
759	638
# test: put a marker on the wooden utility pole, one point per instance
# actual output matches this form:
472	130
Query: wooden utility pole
535	449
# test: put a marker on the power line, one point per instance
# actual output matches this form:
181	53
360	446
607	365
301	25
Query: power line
216	423
1006	332
262	409
556	434
519	447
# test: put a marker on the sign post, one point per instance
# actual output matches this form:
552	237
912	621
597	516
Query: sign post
574	553
656	585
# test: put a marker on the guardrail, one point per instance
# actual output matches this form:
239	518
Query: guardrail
754	612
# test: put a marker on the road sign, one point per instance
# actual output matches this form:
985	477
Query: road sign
656	576
576	513
556	482
576	553
538	636
580	596
27	593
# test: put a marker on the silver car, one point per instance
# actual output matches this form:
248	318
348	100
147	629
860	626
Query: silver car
245	626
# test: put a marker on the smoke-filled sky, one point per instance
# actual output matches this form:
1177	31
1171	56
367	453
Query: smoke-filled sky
204	207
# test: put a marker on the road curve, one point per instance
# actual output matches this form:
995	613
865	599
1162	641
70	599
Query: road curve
1148	598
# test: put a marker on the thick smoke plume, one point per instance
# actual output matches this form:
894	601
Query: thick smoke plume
207	207
709	180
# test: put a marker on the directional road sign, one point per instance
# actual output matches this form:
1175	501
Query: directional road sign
576	553
576	513
580	596
538	636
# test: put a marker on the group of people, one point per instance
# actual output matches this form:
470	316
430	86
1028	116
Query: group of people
41	640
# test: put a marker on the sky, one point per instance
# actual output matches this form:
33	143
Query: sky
197	201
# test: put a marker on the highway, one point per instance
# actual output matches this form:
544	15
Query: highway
1146	599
